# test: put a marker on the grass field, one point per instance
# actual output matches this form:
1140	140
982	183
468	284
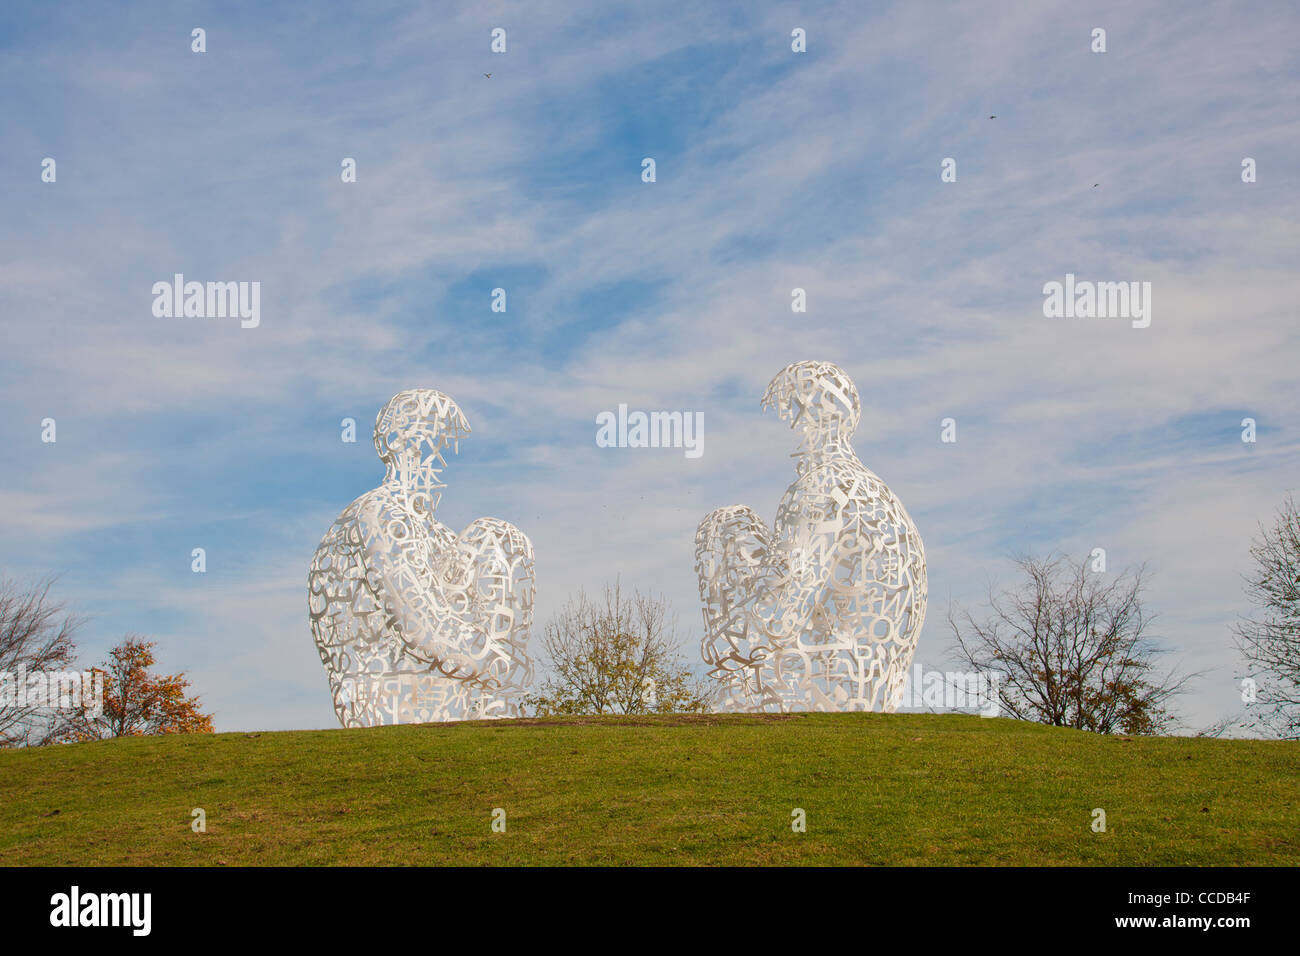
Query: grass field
876	789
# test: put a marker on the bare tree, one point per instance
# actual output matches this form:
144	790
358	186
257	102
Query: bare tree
618	656
36	635
1071	647
1270	641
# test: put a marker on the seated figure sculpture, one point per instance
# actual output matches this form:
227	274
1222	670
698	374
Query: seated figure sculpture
413	622
822	612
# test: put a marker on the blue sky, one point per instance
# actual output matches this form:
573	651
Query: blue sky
775	170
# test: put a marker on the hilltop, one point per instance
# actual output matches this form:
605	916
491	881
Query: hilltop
721	789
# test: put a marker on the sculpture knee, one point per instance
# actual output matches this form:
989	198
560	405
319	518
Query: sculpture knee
724	529
498	555
494	540
731	542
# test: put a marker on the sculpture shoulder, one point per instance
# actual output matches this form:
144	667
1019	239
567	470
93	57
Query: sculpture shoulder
365	518
381	514
377	502
838	477
841	486
361	510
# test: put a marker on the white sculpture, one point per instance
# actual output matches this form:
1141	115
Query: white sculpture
413	622
823	612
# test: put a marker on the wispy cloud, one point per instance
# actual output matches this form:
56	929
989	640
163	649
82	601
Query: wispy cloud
775	171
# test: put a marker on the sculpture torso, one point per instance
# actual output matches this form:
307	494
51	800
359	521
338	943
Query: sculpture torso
873	538
412	621
823	613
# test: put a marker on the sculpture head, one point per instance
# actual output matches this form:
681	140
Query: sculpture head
412	430
818	398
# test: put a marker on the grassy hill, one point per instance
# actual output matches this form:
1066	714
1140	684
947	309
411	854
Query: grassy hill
876	789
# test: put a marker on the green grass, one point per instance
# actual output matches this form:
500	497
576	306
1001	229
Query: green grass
877	789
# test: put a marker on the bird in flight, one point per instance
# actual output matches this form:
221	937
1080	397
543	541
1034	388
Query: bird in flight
992	117
1095	185
488	75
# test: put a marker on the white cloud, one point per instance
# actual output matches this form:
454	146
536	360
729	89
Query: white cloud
821	174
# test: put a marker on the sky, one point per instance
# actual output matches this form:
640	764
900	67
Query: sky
775	170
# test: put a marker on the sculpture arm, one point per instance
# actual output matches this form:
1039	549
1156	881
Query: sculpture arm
809	525
432	618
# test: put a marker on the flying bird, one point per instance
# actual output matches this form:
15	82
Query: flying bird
488	75
1095	185
992	117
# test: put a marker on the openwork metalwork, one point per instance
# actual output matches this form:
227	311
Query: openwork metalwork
413	622
823	611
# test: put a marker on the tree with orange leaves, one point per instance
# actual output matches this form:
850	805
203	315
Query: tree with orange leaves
137	702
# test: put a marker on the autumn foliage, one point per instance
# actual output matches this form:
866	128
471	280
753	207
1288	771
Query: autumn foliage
137	703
